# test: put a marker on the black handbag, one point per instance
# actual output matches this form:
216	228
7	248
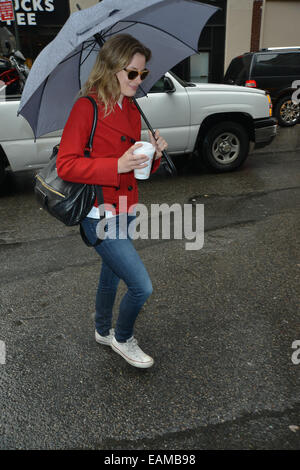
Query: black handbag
68	202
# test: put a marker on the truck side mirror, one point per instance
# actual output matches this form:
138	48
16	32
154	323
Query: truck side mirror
169	85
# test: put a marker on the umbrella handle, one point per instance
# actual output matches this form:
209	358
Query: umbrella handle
166	156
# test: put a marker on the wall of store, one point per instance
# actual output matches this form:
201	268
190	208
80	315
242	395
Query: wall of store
280	23
209	65
276	26
238	28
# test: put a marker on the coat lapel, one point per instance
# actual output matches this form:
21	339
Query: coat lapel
126	120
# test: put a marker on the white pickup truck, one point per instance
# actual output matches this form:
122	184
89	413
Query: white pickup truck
218	121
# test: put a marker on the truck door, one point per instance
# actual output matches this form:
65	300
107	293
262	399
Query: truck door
167	109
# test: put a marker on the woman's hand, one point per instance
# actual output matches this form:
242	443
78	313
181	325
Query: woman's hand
159	143
129	161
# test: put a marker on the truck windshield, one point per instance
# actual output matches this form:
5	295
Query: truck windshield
180	80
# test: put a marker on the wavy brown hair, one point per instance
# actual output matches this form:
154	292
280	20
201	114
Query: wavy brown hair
115	55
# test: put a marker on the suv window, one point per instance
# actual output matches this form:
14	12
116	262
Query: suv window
274	64
238	70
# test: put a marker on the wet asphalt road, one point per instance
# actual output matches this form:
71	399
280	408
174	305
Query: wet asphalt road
220	323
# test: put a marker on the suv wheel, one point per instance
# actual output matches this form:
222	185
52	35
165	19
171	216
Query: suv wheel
225	147
287	112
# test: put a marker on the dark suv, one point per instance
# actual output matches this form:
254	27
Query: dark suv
273	70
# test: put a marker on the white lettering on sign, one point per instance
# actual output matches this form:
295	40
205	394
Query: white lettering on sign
37	5
31	19
21	19
34	5
25	5
26	10
49	5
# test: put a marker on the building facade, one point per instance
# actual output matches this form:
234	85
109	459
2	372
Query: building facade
208	65
39	21
238	26
255	24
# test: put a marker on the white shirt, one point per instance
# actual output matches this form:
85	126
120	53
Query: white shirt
94	212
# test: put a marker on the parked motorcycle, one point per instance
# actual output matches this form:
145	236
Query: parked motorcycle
13	71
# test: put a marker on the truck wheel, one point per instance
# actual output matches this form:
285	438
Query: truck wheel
287	112
2	169
225	147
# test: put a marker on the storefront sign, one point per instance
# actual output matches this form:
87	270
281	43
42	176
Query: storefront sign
6	10
40	12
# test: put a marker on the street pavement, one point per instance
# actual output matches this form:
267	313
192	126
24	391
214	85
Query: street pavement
220	323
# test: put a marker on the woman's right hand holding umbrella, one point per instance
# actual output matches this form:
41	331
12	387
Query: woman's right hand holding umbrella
129	161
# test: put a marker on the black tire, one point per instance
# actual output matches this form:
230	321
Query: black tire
225	147
2	170
287	112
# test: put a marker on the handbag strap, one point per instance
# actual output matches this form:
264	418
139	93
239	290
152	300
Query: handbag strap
95	120
99	192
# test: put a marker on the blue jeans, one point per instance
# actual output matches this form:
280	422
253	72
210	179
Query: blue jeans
120	260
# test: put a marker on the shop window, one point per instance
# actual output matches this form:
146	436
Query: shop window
199	67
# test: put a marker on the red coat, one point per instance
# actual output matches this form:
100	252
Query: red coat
114	134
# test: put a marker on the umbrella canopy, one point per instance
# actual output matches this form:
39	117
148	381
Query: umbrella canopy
170	28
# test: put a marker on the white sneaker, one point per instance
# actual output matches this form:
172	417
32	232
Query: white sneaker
132	353
105	339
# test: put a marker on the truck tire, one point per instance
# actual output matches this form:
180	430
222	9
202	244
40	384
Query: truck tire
2	169
287	112
225	147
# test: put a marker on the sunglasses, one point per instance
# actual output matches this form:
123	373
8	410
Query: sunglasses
132	74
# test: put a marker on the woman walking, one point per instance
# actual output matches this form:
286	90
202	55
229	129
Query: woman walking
114	80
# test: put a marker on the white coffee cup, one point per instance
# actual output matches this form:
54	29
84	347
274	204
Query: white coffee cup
148	150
